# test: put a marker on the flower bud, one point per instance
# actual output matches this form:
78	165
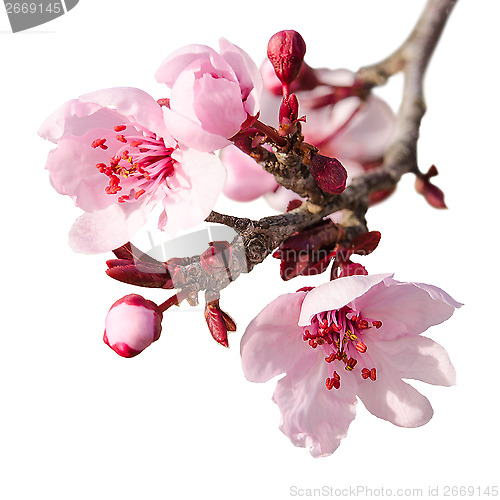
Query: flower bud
286	50
132	324
329	174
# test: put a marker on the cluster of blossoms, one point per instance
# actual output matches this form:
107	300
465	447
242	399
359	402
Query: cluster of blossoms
120	153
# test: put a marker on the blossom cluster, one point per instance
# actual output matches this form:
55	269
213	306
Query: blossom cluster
120	153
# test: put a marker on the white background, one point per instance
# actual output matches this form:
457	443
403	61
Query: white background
180	421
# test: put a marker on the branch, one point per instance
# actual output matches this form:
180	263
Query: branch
257	239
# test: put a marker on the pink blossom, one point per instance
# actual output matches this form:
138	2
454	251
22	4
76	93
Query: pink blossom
116	159
356	137
212	95
354	336
132	324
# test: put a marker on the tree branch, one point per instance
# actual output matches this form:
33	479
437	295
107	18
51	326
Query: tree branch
257	239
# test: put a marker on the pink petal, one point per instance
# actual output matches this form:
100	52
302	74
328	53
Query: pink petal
281	197
105	230
134	103
69	119
73	171
336	294
273	343
246	179
390	398
217	104
135	326
415	357
406	308
248	75
368	134
321	123
185	208
190	133
178	61
313	416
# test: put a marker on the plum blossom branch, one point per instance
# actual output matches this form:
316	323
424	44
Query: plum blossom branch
289	163
412	57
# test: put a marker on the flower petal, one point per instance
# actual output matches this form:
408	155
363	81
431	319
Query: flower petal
368	134
73	171
178	61
247	72
132	102
336	294
69	119
217	104
273	343
185	208
190	133
406	308
105	230
313	416
389	397
246	179
414	357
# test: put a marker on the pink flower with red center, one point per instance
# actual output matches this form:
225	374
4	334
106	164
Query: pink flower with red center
132	324
354	336
355	133
213	95
116	158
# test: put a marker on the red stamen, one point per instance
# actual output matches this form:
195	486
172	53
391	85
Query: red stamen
361	347
139	193
123	199
351	364
332	357
101	167
121	138
362	324
365	373
135	144
377	324
119	128
373	374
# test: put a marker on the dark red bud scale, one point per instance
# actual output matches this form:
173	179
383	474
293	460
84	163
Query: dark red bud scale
286	50
433	195
329	174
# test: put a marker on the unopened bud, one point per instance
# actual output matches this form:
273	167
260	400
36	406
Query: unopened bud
219	322
286	50
289	109
132	324
329	174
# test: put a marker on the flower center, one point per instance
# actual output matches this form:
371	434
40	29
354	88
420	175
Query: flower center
340	333
141	163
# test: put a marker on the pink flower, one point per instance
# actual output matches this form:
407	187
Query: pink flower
132	324
356	137
116	158
357	335
213	94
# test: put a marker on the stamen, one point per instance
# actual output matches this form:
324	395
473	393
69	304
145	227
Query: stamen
119	128
361	347
341	333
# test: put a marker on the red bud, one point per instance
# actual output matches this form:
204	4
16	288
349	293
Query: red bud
219	322
286	51
329	174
